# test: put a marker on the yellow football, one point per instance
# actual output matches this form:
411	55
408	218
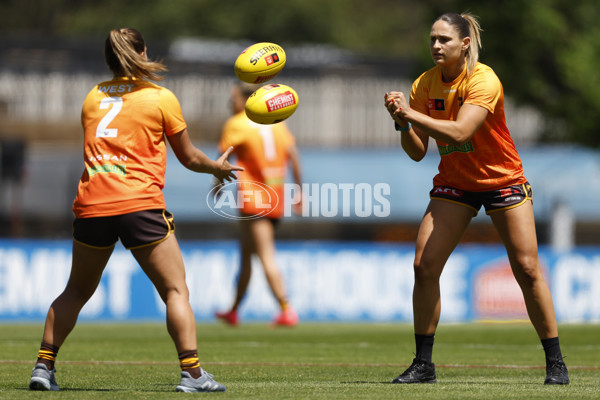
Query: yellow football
260	62
271	104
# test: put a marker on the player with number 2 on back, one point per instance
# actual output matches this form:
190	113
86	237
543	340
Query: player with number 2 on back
127	122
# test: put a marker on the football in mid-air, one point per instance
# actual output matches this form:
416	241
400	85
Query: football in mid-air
271	104
260	62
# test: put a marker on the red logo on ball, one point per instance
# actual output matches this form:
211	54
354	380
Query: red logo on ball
272	59
261	79
280	101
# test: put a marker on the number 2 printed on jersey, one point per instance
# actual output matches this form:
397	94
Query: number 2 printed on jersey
103	131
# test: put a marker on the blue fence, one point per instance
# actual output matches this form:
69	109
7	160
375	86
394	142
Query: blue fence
555	173
326	282
566	175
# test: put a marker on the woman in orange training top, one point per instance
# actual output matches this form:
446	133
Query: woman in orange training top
126	121
460	104
264	151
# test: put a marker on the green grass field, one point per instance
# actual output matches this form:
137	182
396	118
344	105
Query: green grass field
311	361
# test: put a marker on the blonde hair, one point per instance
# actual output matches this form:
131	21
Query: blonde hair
466	24
123	54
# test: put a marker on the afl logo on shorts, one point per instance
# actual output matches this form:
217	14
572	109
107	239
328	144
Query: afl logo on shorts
253	199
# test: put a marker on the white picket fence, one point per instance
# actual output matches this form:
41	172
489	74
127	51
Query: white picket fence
334	111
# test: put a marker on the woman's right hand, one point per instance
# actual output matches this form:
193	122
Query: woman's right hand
396	104
389	103
223	170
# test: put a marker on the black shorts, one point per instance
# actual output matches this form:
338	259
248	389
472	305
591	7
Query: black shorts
137	229
495	200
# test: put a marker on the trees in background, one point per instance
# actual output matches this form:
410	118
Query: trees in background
545	51
547	55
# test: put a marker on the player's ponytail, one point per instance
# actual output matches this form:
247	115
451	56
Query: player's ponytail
466	24
122	52
472	53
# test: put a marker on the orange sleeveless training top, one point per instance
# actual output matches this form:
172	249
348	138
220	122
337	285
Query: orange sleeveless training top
125	122
489	161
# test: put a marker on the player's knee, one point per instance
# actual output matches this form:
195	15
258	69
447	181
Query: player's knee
172	292
527	270
77	295
426	271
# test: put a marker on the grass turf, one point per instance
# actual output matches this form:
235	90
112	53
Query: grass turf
311	361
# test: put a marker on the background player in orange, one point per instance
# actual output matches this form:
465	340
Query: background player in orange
126	123
264	151
460	104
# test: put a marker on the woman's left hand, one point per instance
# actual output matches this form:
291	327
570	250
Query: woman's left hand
396	104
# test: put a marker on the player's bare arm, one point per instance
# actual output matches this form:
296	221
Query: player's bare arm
468	121
194	159
414	142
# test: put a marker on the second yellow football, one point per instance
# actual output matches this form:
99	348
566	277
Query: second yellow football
271	104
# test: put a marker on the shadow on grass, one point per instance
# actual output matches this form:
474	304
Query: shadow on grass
155	389
368	383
